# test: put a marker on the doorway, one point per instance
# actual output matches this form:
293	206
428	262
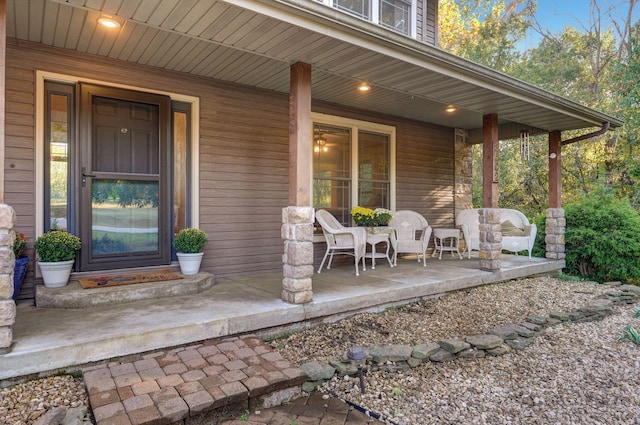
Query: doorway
123	179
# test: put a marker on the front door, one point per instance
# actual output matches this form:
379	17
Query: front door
123	174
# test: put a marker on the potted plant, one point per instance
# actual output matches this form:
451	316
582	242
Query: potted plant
56	252
21	264
189	243
382	216
363	216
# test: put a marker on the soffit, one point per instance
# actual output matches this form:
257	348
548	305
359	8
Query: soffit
255	42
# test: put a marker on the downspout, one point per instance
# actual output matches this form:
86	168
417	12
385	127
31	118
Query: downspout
605	127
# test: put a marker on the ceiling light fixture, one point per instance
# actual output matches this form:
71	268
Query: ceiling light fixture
450	109
109	22
364	87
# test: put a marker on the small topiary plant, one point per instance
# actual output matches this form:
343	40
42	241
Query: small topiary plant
602	239
190	240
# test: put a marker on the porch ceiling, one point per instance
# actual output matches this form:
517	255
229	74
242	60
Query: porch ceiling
254	43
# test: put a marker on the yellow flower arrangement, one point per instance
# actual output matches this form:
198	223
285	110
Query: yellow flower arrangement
363	216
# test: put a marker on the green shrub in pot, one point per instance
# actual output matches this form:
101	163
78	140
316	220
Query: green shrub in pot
57	245
190	240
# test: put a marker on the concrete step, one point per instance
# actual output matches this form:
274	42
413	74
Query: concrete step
74	296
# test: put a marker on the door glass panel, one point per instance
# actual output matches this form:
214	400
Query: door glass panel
180	170
58	160
124	216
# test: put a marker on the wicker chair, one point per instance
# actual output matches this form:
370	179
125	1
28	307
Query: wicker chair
411	235
341	240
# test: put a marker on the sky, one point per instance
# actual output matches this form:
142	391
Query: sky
555	14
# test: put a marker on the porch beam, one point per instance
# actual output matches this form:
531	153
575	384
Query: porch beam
555	176
300	135
490	146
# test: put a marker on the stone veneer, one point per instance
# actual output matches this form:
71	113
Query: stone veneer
463	171
490	239
297	232
7	261
554	238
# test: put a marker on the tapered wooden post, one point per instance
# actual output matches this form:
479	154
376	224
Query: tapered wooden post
490	145
298	217
555	176
300	135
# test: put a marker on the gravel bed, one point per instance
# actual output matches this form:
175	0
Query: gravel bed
573	374
24	403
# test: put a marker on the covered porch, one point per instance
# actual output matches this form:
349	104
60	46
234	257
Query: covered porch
46	340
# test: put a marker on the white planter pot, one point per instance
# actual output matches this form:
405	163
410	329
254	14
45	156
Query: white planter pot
189	263
56	275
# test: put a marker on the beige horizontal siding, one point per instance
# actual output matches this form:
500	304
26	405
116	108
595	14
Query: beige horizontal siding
243	154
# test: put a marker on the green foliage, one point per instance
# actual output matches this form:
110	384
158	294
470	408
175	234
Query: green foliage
19	245
637	313
245	416
57	245
190	240
631	334
602	239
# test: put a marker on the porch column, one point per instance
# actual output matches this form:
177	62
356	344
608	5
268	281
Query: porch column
7	261
298	217
7	215
490	228
556	222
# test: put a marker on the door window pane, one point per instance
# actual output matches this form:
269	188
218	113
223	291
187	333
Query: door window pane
58	141
124	216
180	170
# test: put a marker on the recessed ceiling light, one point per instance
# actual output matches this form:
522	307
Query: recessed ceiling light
450	109
364	87
109	22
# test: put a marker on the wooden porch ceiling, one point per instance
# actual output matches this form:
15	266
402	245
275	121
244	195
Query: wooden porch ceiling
254	42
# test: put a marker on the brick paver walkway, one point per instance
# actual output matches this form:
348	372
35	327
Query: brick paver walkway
312	410
170	387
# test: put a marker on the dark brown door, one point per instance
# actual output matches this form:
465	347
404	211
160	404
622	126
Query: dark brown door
123	175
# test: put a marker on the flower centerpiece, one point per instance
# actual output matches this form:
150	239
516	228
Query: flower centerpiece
382	216
189	243
21	263
56	252
363	216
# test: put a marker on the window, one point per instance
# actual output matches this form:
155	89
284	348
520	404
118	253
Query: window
353	164
396	15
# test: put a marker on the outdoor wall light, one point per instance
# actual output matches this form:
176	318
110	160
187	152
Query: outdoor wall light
364	87
109	22
552	155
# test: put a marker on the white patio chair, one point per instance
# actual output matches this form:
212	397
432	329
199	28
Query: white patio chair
411	235
341	240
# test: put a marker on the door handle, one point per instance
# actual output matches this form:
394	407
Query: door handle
85	175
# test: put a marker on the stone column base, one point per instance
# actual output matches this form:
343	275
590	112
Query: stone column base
297	269
490	239
555	227
7	263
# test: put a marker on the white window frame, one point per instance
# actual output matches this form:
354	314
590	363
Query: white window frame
355	126
42	76
375	15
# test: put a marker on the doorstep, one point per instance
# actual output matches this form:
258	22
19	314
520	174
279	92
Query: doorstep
207	380
75	296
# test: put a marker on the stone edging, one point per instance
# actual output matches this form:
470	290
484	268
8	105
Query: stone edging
496	342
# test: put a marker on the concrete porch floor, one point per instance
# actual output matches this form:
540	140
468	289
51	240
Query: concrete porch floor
49	339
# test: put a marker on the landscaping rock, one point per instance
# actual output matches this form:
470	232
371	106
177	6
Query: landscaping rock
318	371
424	351
453	345
505	332
485	342
390	353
